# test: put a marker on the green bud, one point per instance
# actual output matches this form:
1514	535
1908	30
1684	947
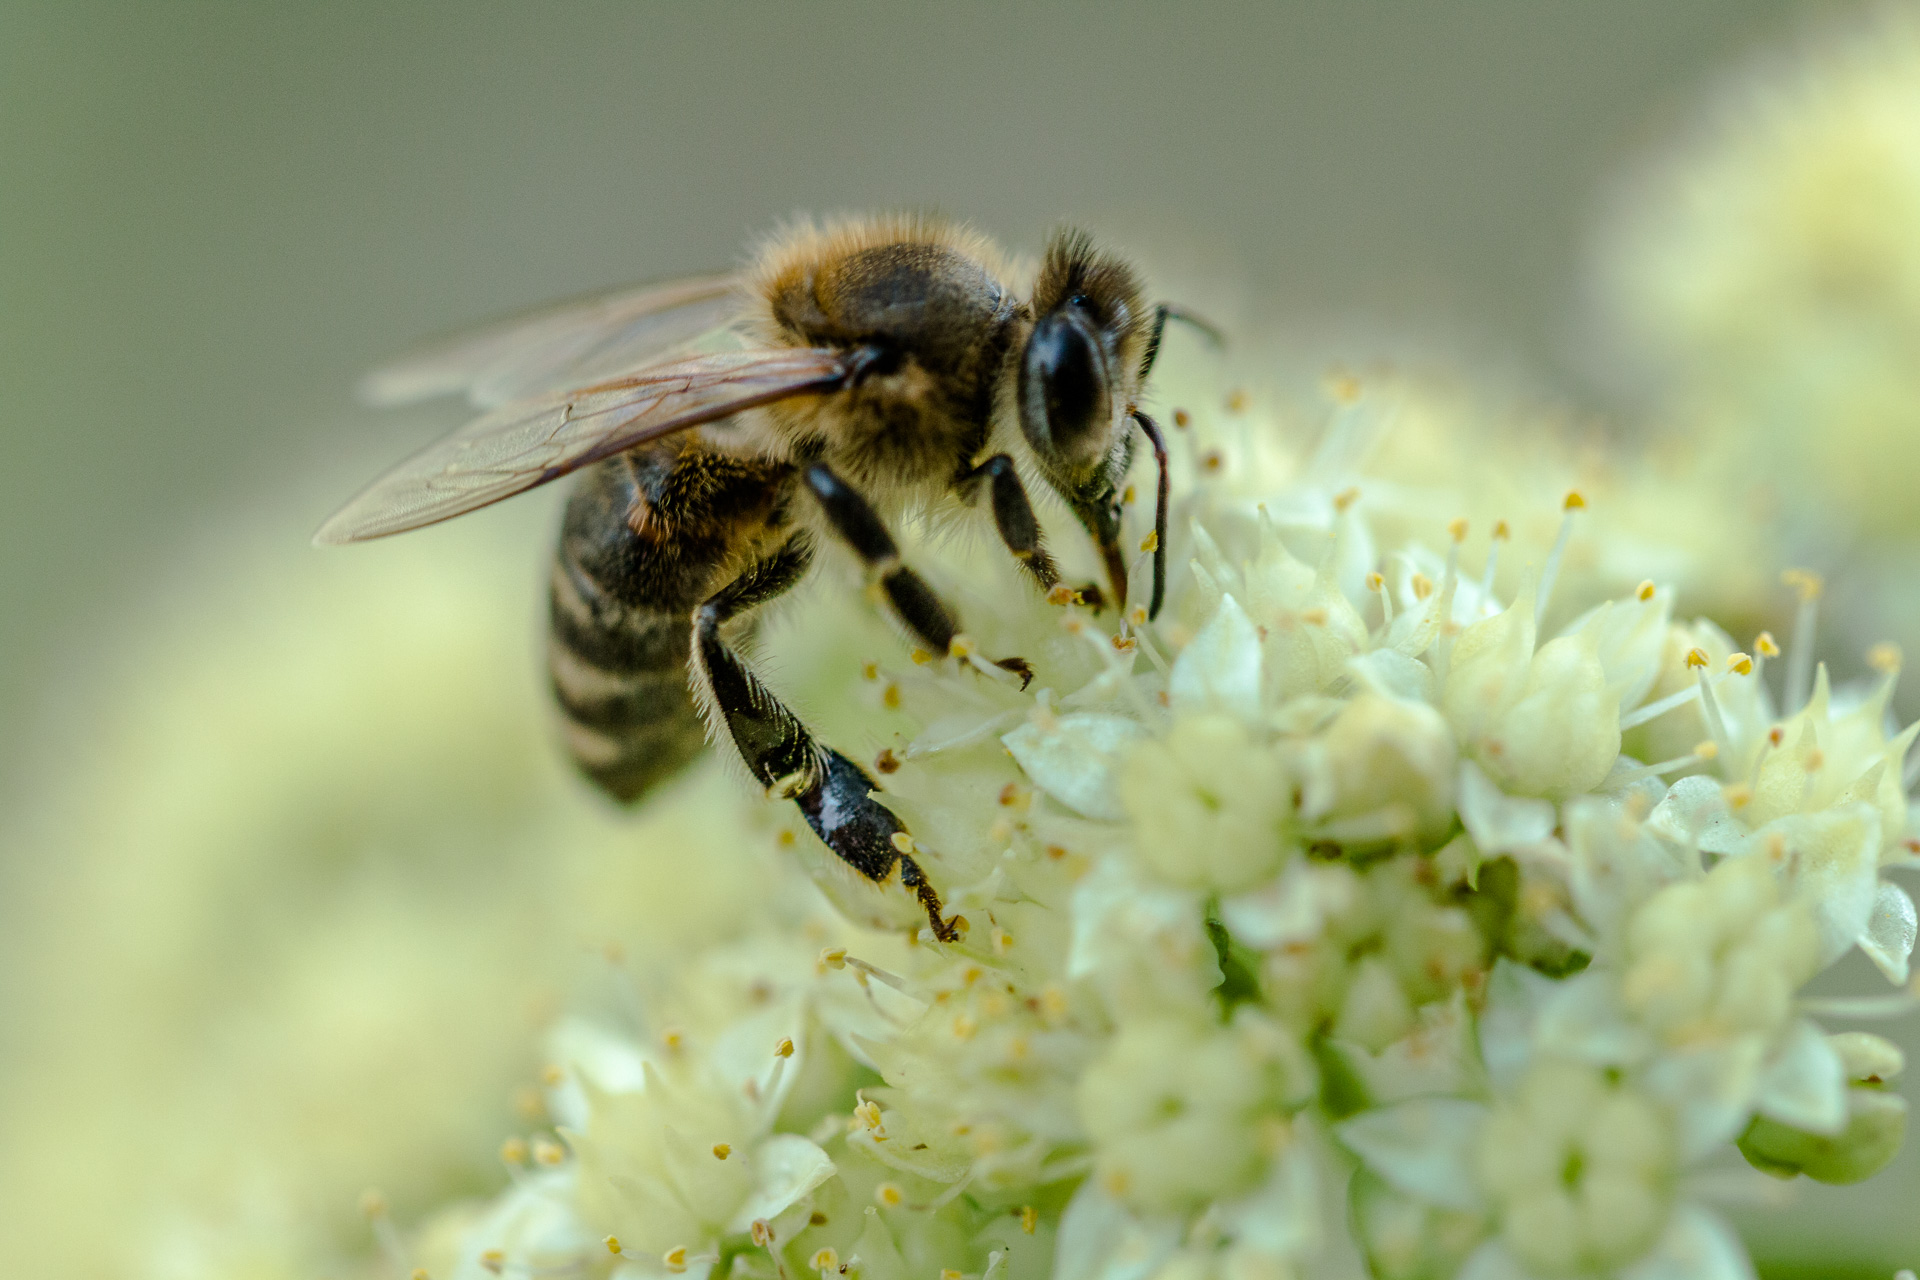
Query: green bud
1876	1122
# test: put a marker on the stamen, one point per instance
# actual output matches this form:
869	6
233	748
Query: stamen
1377	583
1639	716
1701	754
1768	745
1800	660
1573	502
1709	708
1646	591
1501	534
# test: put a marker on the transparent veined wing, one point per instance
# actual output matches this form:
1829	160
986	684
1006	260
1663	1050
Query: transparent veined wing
518	446
573	344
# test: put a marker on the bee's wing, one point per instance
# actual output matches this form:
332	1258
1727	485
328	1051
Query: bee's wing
575	344
515	447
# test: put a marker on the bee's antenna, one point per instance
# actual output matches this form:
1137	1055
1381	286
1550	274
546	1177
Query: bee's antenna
1151	430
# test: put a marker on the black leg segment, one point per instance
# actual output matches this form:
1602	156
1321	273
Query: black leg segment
1013	517
861	528
830	790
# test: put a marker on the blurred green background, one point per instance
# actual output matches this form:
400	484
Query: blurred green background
213	217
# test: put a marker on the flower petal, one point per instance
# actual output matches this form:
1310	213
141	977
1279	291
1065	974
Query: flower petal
1500	823
1696	1245
1074	758
1219	670
1890	931
1100	1240
1805	1085
785	1167
1423	1146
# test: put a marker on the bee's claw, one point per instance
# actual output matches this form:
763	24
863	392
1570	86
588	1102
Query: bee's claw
1020	667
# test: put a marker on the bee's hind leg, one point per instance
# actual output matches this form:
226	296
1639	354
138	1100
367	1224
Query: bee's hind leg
831	790
923	613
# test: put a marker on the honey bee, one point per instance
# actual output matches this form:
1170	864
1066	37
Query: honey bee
870	368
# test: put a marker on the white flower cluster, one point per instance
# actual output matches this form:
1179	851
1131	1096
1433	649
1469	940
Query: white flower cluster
1322	927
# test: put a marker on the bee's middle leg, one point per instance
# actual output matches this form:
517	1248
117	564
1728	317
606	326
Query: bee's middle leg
924	614
830	790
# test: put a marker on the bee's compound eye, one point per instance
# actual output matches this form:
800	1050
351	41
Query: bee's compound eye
1063	390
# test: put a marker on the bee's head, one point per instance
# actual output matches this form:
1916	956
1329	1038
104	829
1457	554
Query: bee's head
1079	376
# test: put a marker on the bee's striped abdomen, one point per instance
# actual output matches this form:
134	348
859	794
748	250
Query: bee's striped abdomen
622	597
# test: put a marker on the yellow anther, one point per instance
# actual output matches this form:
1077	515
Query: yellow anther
1127	495
675	1259
890	696
548	1152
1884	657
1645	591
373	1203
1707	750
1345	498
762	1232
1151	542
1422	586
1740	664
1574	502
960	925
530	1103
1237	402
1501	532
493	1261
1137	615
889	1195
785	1048
832	958
959	647
1697	658
1805	581
552	1075
964	1027
1375	582
902	842
514	1151
1029	1218
1763	644
612	1243
1212	460
867	1115
785	837
1776	736
1344	388
1738	796
1060	594
1457	529
1814	760
1002	942
869	671
972	974
674	1039
1182	419
826	1259
1125	644
921	657
1314	617
418	1273
948	1273
721	1151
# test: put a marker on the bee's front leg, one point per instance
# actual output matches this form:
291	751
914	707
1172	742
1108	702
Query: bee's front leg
830	790
921	611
